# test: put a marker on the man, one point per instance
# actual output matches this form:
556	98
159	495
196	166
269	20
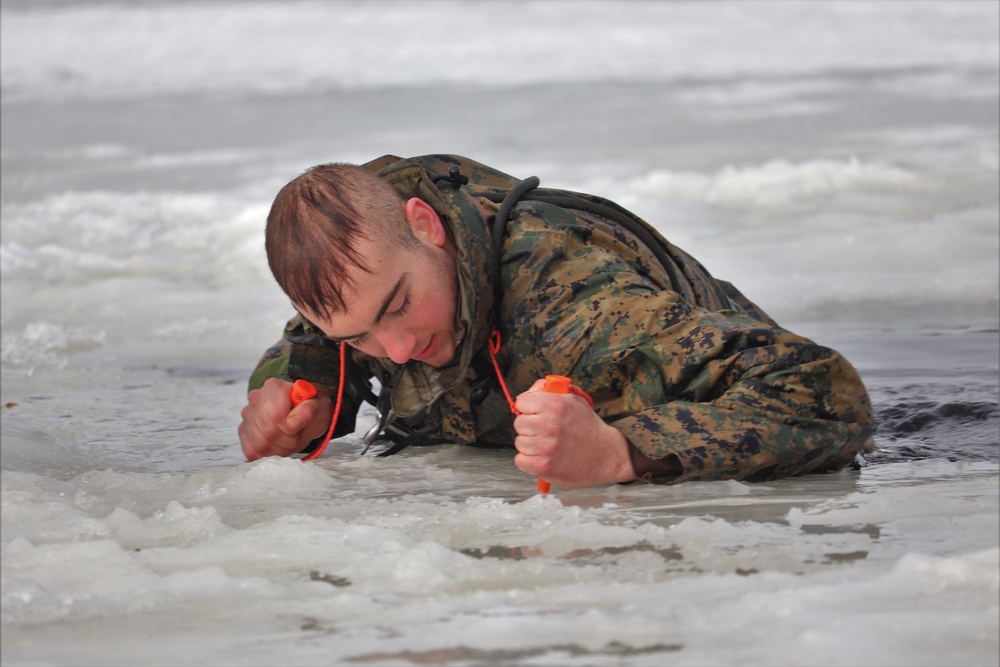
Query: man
460	287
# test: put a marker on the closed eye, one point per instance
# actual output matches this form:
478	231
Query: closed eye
399	312
357	340
402	310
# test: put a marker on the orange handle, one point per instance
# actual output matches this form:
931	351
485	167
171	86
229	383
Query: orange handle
301	391
554	384
557	384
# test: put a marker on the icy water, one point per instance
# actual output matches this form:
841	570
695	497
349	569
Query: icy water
837	161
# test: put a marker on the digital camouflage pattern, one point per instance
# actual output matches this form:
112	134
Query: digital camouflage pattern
688	368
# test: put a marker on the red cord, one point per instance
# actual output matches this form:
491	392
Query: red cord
494	347
336	412
580	392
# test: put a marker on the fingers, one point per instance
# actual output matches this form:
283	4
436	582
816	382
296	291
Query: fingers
271	427
560	438
542	429
535	466
537	401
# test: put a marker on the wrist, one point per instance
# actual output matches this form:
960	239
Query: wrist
622	471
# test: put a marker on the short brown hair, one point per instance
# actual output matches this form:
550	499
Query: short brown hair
315	223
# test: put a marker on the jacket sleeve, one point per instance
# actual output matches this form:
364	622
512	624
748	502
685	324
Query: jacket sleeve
729	398
304	353
721	393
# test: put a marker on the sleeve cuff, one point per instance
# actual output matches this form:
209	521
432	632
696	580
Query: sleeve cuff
648	470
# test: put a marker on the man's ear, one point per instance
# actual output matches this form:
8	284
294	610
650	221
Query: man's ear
425	222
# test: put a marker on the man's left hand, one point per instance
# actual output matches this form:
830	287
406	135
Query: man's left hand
563	441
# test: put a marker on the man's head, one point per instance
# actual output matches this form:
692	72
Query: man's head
316	224
365	265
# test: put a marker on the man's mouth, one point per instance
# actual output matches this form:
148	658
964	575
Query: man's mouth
429	350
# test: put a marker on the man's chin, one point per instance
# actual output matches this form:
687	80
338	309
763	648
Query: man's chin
440	362
443	357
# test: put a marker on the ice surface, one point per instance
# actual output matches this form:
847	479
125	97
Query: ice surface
904	561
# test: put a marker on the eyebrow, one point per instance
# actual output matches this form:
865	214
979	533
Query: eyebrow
386	302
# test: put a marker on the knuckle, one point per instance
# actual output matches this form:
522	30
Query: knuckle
271	383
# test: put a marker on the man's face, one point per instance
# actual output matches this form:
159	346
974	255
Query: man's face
406	308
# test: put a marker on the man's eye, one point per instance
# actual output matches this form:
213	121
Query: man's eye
402	309
399	312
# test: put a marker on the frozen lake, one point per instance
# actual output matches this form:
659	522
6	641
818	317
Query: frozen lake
837	161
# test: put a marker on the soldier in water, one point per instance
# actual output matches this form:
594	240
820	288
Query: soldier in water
459	288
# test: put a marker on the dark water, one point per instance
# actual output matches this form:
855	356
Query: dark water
934	391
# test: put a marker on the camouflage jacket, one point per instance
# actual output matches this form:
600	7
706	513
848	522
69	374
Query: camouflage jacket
681	363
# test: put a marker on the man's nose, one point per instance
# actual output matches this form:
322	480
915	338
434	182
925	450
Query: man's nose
398	345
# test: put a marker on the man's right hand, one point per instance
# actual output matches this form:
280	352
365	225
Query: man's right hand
272	426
